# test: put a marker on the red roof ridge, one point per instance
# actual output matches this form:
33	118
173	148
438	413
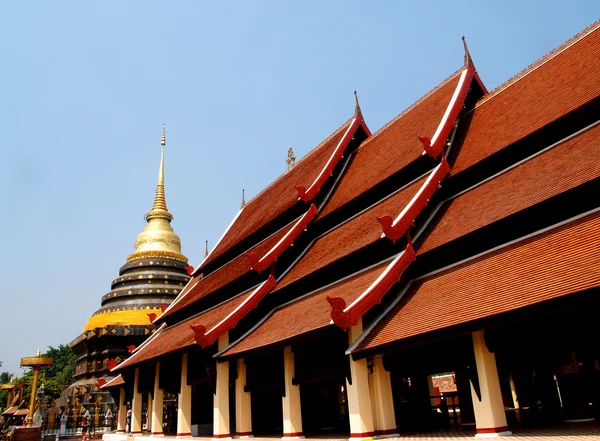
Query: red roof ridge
540	62
412	106
322	143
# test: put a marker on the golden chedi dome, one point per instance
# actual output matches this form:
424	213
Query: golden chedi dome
154	273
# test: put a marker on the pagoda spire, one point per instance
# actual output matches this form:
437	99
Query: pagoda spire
159	208
158	237
206	252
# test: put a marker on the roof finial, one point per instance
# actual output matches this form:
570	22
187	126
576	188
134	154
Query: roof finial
357	110
243	200
468	59
206	252
291	159
159	208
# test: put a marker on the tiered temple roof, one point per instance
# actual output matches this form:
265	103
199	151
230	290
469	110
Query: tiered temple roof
422	228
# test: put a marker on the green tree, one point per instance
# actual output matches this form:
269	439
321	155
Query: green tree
4	378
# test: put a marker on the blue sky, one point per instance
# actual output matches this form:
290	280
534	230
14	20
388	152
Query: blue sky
86	86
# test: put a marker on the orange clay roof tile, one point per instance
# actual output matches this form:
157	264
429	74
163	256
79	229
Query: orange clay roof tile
553	264
561	82
306	314
552	172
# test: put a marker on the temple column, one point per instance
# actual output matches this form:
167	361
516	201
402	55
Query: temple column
149	414
221	401
513	392
359	398
136	406
184	402
292	412
122	415
383	401
157	407
243	412
490	418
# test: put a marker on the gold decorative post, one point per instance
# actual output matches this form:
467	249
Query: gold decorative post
36	363
9	397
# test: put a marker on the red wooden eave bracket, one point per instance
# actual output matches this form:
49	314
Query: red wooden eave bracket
111	364
131	348
284	243
395	229
346	317
101	382
152	316
435	146
338	153
204	338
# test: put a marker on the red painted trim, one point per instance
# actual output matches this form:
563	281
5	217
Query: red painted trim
225	435
156	433
243	433
111	364
478	79
136	433
185	434
493	429
395	229
338	153
152	316
345	317
284	243
204	339
386	432
101	382
362	435
131	348
190	270
120	431
293	434
435	146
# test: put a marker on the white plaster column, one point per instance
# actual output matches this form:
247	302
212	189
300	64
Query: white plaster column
221	429
292	412
243	408
136	406
383	400
157	406
122	415
490	419
359	398
184	402
513	392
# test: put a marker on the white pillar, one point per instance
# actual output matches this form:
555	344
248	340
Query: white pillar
292	412
122	415
184	402
136	406
513	392
359	398
221	428
157	406
383	401
243	412
490	419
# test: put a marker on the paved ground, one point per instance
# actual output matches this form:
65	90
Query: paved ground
571	432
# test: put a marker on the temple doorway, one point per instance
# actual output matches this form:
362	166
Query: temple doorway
267	413
202	410
325	408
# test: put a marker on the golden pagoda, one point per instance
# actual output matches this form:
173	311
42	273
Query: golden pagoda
148	282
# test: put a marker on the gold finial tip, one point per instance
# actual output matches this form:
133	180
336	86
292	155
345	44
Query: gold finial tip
163	139
38	353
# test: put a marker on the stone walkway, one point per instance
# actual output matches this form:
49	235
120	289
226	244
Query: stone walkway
574	432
